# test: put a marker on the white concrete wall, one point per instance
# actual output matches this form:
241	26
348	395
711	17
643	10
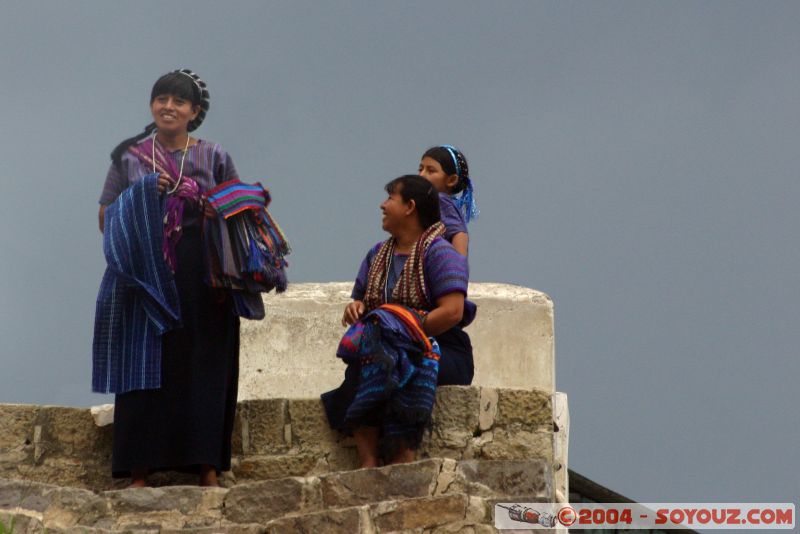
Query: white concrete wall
561	446
292	352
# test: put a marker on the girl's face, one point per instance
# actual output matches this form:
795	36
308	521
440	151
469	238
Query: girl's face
172	114
431	170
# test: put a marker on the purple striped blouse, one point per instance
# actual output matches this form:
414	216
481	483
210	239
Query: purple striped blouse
206	163
452	218
446	271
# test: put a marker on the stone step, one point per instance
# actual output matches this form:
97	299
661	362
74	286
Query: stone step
276	438
426	494
455	513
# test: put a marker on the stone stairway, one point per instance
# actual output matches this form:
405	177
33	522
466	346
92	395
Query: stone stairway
290	472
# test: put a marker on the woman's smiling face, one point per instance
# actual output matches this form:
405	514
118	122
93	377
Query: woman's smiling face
172	114
394	210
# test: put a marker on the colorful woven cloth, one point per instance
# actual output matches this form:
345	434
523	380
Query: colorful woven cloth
187	192
245	247
399	368
138	300
410	289
232	198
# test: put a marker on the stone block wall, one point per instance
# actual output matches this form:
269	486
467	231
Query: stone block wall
290	472
276	438
505	438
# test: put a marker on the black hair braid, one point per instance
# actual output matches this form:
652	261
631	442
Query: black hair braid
204	100
463	175
120	149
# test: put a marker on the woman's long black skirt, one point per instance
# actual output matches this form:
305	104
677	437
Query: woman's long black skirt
456	366
188	422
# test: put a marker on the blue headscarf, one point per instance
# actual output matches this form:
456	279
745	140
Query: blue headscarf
465	199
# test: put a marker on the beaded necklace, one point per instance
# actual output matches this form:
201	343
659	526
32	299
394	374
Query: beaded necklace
183	159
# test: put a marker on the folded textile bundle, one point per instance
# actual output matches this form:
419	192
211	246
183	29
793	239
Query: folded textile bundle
233	197
399	366
245	247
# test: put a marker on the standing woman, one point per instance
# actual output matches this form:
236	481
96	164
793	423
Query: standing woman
179	415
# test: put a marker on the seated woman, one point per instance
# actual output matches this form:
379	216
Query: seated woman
409	287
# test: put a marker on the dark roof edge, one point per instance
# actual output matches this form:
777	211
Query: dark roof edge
594	491
597	493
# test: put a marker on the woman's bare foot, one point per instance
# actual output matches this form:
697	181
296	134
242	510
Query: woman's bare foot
366	438
208	476
404	456
138	478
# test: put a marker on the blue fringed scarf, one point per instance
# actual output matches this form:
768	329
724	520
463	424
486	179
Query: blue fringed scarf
138	300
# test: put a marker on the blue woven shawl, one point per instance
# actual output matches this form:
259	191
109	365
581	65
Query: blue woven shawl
138	300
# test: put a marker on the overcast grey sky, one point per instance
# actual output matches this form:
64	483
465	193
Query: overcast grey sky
637	161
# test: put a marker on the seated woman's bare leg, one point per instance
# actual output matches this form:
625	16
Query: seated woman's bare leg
367	445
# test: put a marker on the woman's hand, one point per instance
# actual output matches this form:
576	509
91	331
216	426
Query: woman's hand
164	183
208	210
353	312
101	218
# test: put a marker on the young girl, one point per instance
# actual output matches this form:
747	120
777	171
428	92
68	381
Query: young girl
446	168
178	413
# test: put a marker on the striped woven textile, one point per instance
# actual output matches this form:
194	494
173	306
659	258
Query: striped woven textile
399	369
245	247
444	270
233	197
138	299
188	192
410	289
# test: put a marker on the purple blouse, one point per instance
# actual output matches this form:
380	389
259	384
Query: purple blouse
206	163
452	218
445	270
